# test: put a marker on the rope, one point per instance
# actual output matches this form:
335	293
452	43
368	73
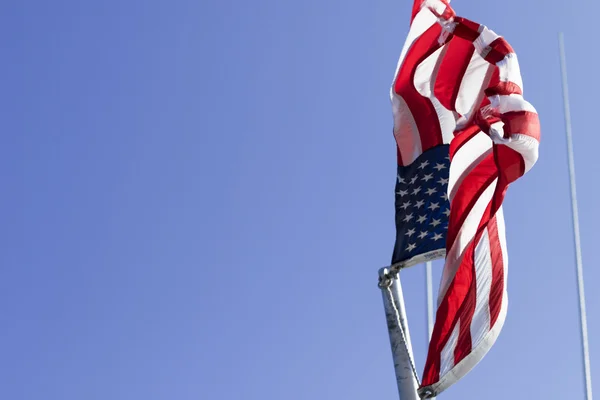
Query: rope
388	284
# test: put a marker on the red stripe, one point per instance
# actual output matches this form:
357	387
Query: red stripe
510	164
499	49
452	71
466	29
466	275
497	289
503	88
495	80
445	321
485	124
523	122
420	107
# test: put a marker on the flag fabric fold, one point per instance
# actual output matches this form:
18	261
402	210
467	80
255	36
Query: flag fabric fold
457	100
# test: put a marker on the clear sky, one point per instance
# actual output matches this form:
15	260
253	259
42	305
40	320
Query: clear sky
197	196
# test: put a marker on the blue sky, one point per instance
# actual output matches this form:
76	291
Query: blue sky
197	197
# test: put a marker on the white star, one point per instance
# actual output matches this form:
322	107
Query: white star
427	177
419	204
417	190
401	179
437	236
448	158
431	191
410	232
442	181
405	205
414	179
424	164
411	247
435	222
422	235
402	193
422	219
439	166
433	206
447	212
408	217
445	196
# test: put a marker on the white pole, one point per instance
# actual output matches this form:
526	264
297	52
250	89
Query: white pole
582	312
395	314
428	280
429	284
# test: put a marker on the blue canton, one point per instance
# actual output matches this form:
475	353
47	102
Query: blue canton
422	207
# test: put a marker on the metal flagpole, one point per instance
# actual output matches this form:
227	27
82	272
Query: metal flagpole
582	312
428	282
395	314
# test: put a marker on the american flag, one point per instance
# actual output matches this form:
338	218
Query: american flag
458	90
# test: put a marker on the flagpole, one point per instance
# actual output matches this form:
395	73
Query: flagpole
429	291
579	269
397	323
429	285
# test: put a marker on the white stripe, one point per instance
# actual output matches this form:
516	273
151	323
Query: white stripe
485	38
437	5
527	147
467	158
446	119
464	238
510	71
470	93
447	354
406	132
511	103
502	239
426	73
480	324
524	144
508	68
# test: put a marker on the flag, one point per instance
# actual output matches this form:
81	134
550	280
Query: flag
458	86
